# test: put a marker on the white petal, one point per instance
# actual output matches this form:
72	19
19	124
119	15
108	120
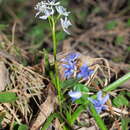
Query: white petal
75	94
43	17
62	11
65	24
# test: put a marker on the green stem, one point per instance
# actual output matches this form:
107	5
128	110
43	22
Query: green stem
55	61
97	118
117	83
57	18
54	39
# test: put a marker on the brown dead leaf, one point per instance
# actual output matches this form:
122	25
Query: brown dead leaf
58	126
4	76
45	109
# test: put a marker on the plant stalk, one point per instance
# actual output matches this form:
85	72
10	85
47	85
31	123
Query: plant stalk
55	61
117	83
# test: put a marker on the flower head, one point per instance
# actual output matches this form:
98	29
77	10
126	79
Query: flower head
69	70
48	3
70	64
44	9
71	67
71	58
65	24
85	72
75	95
62	11
48	8
99	102
48	12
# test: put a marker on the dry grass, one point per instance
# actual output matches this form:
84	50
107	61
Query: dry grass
27	84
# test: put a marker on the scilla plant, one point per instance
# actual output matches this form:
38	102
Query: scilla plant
54	13
79	94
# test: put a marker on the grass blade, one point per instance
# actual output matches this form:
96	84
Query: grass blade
97	118
117	83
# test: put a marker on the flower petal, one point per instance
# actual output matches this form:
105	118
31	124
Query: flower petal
85	72
99	102
75	94
62	11
105	99
91	100
99	95
66	66
65	24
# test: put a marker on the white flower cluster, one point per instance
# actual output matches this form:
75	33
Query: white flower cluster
47	8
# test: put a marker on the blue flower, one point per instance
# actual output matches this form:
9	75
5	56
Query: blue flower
85	72
69	70
70	64
99	102
75	95
71	58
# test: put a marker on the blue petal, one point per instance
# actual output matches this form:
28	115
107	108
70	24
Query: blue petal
73	56
66	66
68	74
79	75
105	99
85	72
104	107
90	72
99	95
70	58
91	100
98	109
99	102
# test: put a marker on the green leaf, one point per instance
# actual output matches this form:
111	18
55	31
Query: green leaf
2	115
128	48
96	10
37	32
120	100
111	25
60	36
3	26
124	123
69	83
117	83
119	40
81	88
97	118
49	120
7	97
82	100
128	94
128	23
23	127
68	116
76	114
46	62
